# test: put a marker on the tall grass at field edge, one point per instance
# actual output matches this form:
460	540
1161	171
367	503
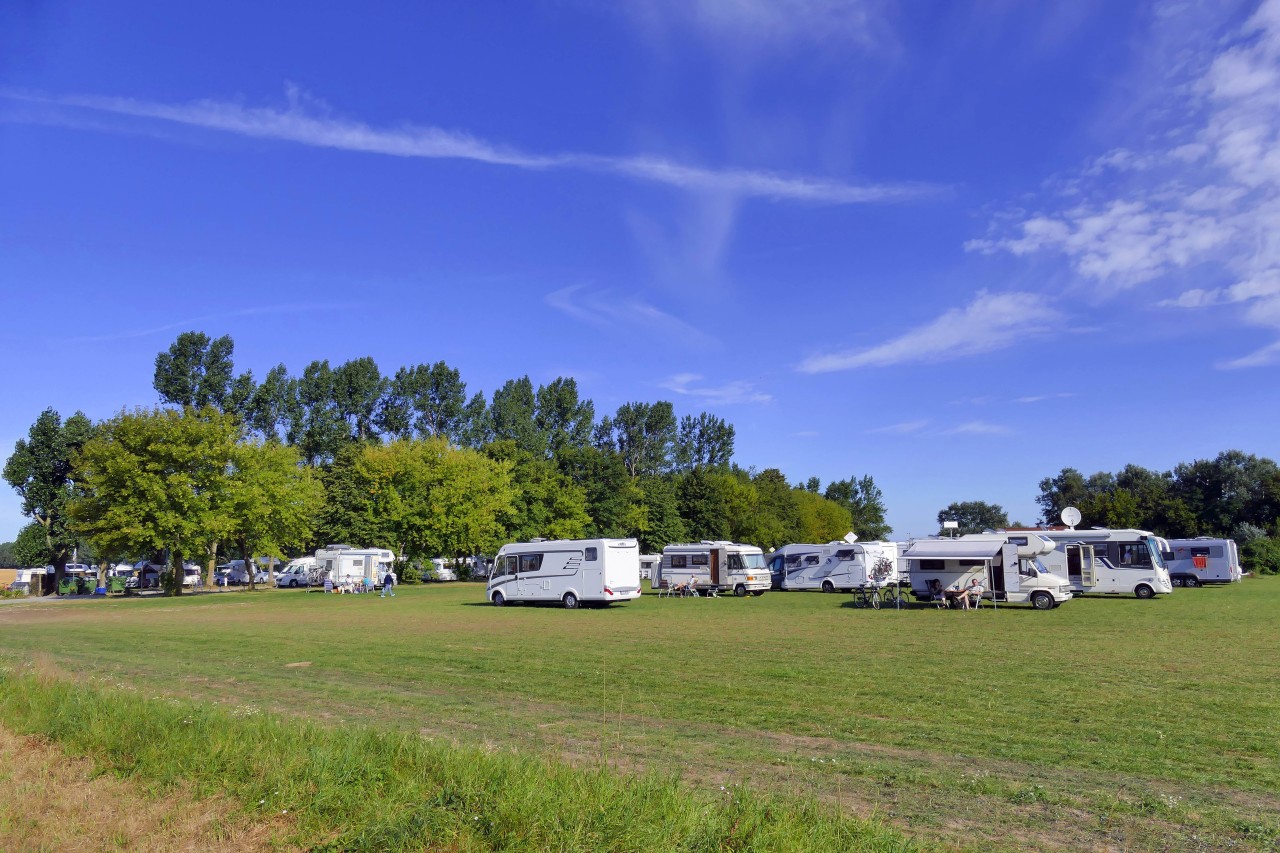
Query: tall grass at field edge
359	788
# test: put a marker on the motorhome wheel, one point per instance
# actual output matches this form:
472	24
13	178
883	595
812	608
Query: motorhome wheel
293	582
739	590
1192	582
570	601
499	599
1177	581
828	586
1042	601
1144	591
757	592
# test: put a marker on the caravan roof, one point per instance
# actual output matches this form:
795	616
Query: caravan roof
953	549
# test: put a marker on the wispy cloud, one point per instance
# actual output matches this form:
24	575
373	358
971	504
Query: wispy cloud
209	318
765	22
904	428
990	322
1040	398
979	428
606	309
1202	202
308	121
688	385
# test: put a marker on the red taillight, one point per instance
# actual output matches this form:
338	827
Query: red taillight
608	591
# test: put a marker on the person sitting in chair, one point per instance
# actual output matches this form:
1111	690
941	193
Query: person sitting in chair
972	593
934	587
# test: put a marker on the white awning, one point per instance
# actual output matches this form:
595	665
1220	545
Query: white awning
953	549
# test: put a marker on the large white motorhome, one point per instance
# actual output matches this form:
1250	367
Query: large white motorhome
719	565
342	563
1008	570
570	571
1125	562
298	572
847	566
795	558
1194	562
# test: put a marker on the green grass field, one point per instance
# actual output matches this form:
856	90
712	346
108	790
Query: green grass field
1106	722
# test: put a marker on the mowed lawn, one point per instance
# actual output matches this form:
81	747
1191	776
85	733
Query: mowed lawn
1106	722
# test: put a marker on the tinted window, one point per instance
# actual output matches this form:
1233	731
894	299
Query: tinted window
530	562
932	565
844	554
678	561
591	555
969	564
1134	554
700	559
811	559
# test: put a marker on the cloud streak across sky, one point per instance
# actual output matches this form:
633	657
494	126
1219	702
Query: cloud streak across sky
307	122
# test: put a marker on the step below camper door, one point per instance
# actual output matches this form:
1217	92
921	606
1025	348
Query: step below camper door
1080	564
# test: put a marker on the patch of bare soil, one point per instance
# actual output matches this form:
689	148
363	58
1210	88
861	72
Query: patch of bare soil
55	802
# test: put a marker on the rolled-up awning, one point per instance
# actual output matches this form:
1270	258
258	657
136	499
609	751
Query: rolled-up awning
953	549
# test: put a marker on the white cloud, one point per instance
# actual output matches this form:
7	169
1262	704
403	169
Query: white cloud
307	121
904	428
1268	355
765	22
607	310
1203	201
992	321
979	428
685	384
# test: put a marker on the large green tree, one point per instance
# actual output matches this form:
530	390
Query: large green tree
198	371
272	502
643	434
865	502
511	416
563	417
156	480
973	516
41	471
704	440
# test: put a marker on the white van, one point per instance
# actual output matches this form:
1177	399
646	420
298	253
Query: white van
794	558
1008	571
718	565
570	571
344	564
296	573
1195	562
1125	561
848	566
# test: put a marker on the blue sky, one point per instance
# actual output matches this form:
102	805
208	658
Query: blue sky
954	246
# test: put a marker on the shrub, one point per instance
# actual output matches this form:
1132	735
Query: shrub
1261	556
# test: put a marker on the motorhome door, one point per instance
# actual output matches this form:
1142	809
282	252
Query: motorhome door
1080	564
715	566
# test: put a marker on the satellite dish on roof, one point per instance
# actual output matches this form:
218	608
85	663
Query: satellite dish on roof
851	537
1070	516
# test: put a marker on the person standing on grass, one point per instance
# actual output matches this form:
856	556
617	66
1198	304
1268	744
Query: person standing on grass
389	584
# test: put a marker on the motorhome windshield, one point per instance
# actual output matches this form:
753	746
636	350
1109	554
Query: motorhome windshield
750	561
1157	558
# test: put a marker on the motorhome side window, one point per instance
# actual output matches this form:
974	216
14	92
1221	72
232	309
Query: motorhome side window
678	561
504	566
811	559
735	563
701	559
590	555
1214	551
1134	554
793	560
530	562
844	554
933	565
972	564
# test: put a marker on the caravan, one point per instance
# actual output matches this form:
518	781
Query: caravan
847	566
1008	570
570	571
713	566
1125	562
344	564
1194	562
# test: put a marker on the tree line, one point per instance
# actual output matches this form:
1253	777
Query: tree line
230	465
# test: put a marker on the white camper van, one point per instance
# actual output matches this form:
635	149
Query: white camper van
342	563
1007	570
648	565
847	566
570	571
711	565
298	572
790	559
1125	562
1194	562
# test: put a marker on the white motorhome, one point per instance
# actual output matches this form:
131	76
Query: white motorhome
847	566
343	563
1125	562
570	571
795	558
1009	571
1199	561
648	565
298	572
719	565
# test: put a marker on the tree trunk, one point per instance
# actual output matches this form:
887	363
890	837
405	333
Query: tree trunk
212	567
59	571
250	569
102	573
176	573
